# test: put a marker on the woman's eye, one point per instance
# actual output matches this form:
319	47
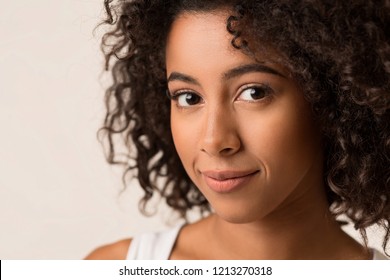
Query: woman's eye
187	99
254	93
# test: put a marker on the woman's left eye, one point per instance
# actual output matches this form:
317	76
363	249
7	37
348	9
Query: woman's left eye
254	93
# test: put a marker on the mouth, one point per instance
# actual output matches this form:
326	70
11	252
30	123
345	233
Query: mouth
227	181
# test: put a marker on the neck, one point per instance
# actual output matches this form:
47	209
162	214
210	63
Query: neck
301	229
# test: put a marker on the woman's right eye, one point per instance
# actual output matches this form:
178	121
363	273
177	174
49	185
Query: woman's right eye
186	99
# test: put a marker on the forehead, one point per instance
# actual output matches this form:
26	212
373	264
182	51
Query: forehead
200	40
196	34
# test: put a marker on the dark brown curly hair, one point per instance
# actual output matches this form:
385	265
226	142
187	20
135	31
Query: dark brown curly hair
338	51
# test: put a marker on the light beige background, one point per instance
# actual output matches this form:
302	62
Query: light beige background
58	197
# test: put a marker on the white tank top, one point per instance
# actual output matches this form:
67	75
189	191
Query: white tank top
159	245
153	245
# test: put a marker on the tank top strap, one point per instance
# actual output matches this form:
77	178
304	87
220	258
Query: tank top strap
153	245
376	255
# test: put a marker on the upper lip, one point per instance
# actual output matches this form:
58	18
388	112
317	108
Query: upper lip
228	174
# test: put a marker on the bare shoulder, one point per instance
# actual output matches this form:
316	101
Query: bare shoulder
193	242
113	251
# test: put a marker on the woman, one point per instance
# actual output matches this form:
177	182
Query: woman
276	118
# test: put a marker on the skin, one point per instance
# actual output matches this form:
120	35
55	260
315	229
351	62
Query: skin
230	131
232	120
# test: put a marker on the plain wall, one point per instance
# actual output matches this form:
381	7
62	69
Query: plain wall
58	197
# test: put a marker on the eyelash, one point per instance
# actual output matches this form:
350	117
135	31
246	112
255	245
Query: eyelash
176	95
266	90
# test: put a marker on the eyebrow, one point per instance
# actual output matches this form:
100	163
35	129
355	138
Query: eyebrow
249	68
176	76
232	73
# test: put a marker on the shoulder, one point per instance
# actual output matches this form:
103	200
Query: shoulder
193	241
113	251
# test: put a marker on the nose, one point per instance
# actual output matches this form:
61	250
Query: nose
220	133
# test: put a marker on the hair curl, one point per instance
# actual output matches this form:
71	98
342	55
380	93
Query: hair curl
338	51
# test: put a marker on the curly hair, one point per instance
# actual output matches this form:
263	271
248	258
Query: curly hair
339	53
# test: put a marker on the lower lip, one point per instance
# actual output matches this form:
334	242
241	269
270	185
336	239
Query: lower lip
228	185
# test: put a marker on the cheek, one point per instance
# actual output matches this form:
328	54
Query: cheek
286	140
184	137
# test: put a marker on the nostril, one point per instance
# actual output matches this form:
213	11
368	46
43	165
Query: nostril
229	150
221	152
220	139
226	150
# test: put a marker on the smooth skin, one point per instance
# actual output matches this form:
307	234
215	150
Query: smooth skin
247	138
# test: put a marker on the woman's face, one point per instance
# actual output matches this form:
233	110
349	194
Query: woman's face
242	128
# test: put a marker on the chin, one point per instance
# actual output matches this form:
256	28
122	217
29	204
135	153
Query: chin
239	216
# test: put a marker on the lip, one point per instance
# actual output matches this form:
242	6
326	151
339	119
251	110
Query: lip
227	181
